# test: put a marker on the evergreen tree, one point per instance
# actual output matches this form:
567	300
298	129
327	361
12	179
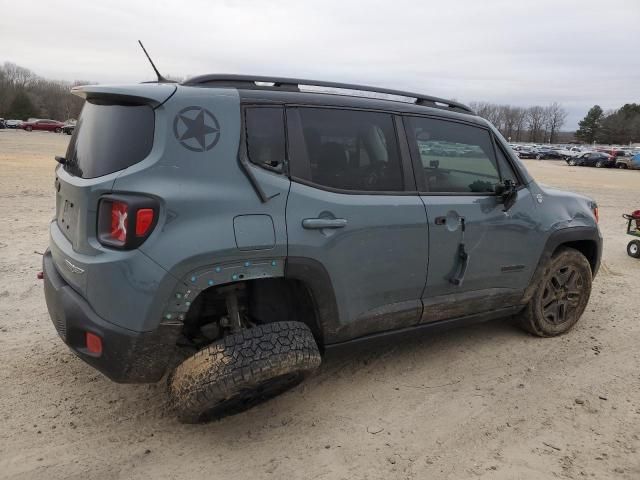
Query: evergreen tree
21	107
590	124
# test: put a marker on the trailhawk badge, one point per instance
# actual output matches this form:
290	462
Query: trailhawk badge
196	128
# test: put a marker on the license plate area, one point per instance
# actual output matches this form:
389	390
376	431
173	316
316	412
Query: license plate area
68	219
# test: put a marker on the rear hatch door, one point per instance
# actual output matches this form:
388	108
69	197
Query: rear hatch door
115	130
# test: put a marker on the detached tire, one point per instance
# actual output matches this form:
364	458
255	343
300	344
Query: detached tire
242	370
561	296
633	248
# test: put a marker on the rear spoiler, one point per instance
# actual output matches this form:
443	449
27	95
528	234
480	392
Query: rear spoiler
153	94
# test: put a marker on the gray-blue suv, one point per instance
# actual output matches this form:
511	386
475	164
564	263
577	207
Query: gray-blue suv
230	229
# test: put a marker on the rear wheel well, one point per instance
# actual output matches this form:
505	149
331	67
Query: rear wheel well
257	302
588	248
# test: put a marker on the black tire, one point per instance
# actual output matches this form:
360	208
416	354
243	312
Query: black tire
58	130
28	129
599	164
242	370
538	157
68	132
622	166
633	248
561	296
571	162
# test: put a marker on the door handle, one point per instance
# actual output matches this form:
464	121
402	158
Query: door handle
320	223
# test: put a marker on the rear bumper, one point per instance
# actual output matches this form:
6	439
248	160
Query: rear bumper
127	356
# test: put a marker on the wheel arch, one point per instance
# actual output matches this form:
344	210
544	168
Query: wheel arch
585	239
315	278
269	300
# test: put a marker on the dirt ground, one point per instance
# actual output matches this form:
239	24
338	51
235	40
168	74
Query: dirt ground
486	401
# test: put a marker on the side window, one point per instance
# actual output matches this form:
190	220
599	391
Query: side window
506	171
265	136
350	150
456	158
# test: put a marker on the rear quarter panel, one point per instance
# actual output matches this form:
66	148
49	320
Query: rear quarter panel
202	192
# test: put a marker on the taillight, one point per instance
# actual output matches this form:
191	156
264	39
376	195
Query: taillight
125	221
119	221
144	220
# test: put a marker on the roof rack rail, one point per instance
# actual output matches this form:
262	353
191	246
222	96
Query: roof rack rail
293	84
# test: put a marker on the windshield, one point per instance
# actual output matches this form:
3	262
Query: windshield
109	138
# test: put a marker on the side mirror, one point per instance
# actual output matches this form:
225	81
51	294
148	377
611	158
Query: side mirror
507	194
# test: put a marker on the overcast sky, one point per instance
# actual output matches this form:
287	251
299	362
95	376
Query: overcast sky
522	52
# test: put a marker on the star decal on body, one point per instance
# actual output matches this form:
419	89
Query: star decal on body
196	128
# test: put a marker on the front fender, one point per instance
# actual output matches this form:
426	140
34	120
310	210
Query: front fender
586	239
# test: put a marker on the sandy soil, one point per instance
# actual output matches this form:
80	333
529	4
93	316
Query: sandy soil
482	402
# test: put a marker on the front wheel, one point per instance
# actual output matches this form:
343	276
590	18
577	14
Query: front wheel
28	129
58	130
242	370
633	248
572	162
599	164
561	296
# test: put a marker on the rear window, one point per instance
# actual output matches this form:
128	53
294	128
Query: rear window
108	138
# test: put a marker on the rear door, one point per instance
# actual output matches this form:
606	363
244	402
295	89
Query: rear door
480	257
352	219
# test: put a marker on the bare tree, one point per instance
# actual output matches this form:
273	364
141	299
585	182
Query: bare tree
17	76
555	118
535	122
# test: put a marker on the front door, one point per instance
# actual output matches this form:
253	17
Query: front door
349	212
481	257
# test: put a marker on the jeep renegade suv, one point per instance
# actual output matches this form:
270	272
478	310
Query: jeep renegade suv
228	229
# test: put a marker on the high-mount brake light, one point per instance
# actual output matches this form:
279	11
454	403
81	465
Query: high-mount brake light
126	221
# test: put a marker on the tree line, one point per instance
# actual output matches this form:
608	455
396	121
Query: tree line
23	95
536	124
621	126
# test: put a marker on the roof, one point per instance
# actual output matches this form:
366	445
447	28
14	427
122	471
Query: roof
313	88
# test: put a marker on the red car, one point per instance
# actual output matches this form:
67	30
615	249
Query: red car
48	125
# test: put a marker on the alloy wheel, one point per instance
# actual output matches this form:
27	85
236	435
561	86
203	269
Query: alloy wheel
562	294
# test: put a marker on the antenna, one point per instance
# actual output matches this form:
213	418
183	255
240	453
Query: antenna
161	79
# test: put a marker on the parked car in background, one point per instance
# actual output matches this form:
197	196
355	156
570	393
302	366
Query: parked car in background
549	154
628	161
527	153
68	128
13	123
46	125
593	159
2	124
614	152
